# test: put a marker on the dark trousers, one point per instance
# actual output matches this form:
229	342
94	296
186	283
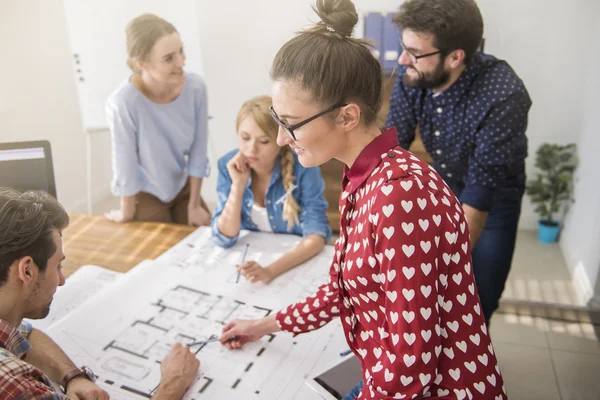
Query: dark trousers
493	253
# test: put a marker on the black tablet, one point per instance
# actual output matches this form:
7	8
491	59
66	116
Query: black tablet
27	166
336	382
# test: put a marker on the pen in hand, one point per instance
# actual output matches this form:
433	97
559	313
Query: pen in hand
203	342
237	280
211	340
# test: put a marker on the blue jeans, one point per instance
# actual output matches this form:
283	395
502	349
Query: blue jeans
354	392
493	253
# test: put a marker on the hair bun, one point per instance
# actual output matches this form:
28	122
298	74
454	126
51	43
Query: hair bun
337	15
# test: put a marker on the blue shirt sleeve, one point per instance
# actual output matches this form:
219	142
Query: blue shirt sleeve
401	114
125	160
223	189
313	216
198	165
499	139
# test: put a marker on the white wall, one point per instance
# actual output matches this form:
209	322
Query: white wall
39	100
238	45
541	39
580	239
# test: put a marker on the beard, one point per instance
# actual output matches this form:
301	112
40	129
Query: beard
44	313
39	313
428	80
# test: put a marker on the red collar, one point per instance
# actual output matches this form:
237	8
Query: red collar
369	159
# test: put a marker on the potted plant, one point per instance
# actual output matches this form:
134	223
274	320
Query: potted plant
552	186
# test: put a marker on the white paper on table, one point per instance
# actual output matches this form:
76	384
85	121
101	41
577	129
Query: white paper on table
203	260
124	332
82	285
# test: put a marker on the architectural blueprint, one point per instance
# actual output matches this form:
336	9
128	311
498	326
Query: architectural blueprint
82	285
124	332
203	260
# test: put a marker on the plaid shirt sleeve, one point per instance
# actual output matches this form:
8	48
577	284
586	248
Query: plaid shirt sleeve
19	379
25	328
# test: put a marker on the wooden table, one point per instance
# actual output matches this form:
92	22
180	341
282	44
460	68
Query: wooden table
119	247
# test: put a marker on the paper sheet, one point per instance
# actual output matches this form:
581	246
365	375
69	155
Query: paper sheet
81	286
124	332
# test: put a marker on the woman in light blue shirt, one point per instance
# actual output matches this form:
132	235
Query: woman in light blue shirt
262	187
158	121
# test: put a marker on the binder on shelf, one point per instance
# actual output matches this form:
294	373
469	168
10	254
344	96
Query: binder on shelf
391	47
374	33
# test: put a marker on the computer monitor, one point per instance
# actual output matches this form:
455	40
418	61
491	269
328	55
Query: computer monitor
27	166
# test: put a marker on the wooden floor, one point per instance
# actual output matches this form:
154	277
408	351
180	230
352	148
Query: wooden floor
119	247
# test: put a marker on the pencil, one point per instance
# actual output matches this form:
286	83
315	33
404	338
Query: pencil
237	280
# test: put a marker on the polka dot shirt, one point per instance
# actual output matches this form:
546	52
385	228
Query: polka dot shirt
474	130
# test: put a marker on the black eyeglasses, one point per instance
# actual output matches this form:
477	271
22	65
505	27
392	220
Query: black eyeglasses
415	58
291	128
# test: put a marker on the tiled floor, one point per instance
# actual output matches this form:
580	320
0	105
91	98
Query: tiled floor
542	359
539	273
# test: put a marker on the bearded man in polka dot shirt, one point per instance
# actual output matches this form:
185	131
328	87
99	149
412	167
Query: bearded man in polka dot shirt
471	111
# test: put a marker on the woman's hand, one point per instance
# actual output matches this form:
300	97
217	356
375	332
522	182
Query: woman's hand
198	216
116	216
254	272
239	170
239	332
125	213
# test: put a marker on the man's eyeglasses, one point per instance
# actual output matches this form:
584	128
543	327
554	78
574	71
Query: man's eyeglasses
291	128
415	58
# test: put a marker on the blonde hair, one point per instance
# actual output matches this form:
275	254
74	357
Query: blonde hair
332	65
257	108
142	33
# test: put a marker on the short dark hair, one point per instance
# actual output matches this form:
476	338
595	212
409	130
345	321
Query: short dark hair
455	24
27	220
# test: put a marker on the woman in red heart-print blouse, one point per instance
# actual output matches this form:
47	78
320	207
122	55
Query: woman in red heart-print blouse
401	280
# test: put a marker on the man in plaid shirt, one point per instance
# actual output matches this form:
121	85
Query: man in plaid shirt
31	253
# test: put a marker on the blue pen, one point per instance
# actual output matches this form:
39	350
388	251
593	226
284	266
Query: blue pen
207	341
203	342
243	261
345	352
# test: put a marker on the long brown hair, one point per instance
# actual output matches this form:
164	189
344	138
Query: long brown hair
332	65
142	33
257	108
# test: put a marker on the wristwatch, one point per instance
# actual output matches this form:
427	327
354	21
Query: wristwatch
83	372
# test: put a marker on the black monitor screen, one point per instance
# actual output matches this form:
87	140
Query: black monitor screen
25	169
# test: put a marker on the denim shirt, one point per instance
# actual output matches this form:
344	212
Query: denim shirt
308	193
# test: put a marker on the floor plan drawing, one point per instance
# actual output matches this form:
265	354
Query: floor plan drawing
79	287
137	322
204	260
182	315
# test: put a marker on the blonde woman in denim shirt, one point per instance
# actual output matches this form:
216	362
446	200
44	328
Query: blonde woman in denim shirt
262	187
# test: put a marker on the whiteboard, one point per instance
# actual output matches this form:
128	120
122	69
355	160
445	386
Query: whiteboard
97	35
